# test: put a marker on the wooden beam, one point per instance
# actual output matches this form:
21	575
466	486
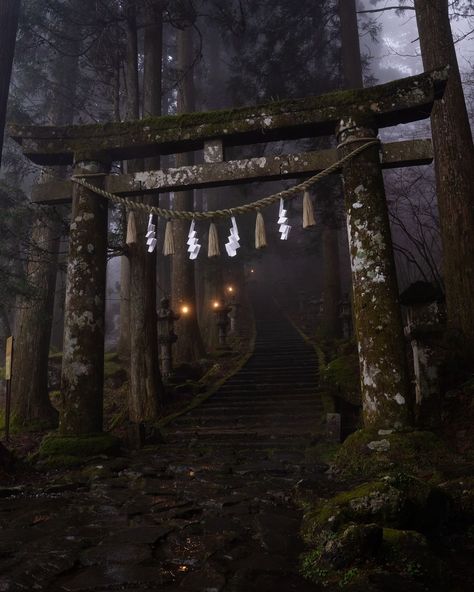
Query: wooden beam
267	168
401	101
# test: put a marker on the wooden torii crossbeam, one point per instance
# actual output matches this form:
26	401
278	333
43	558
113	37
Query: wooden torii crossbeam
353	116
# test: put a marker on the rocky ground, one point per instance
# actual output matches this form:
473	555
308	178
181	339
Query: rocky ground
211	509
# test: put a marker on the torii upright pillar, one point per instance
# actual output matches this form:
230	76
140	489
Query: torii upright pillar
378	322
83	355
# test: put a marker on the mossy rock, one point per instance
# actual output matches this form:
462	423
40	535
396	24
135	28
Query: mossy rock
461	493
370	453
356	542
397	502
82	447
408	552
60	461
342	378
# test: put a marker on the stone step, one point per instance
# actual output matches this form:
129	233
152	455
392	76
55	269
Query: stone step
253	399
253	422
245	435
270	398
269	389
256	410
278	373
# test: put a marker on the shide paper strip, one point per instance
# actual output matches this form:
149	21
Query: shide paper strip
193	242
233	240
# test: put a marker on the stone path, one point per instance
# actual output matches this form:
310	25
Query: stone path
211	510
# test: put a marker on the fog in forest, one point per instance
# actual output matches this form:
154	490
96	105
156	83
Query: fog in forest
236	295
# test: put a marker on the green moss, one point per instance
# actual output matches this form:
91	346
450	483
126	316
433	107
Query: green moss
61	461
324	452
328	515
111	364
409	553
419	453
341	377
321	113
80	447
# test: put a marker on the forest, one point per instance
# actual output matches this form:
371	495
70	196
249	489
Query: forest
236	295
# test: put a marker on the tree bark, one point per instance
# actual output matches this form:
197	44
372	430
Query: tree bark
30	393
9	13
351	78
350	45
331	323
132	112
454	165
189	347
146	388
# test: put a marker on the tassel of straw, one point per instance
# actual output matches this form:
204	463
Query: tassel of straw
260	236
308	211
131	230
168	245
213	245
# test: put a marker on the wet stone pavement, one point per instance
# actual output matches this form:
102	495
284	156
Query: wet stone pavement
210	510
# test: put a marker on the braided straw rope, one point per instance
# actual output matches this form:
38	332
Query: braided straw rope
255	206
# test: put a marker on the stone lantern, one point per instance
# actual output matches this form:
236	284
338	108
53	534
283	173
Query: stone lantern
166	336
425	325
345	314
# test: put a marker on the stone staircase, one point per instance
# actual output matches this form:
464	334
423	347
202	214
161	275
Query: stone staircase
271	402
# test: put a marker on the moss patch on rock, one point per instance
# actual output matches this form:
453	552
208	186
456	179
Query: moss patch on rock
370	453
341	377
363	536
400	501
81	448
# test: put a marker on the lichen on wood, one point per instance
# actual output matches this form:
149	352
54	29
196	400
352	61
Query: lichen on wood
396	102
377	314
83	357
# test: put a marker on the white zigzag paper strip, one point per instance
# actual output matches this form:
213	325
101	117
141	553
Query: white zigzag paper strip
233	241
193	242
284	229
151	235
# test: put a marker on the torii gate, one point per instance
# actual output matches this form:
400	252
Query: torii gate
354	116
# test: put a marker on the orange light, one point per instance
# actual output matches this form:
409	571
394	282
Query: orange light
215	304
230	289
185	310
252	271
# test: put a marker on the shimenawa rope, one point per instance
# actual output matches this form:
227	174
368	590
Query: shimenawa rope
255	206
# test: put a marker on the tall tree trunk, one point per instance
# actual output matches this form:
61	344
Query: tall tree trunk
132	112
331	323
350	45
454	165
212	269
9	13
189	347
352	78
146	389
31	402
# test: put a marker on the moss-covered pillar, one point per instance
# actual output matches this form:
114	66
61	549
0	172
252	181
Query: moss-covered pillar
83	352
377	314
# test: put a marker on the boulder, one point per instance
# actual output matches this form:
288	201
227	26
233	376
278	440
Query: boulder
399	501
356	542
